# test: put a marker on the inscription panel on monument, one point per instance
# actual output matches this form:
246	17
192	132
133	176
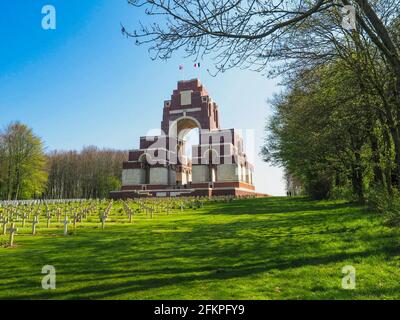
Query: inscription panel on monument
186	97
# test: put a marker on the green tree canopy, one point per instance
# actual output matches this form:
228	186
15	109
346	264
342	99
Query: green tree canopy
22	163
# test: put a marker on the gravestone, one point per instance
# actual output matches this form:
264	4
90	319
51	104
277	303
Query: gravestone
4	222
48	216
66	225
130	215
75	219
58	214
12	231
151	212
103	220
34	223
24	217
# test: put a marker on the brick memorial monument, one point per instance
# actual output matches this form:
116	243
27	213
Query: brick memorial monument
160	168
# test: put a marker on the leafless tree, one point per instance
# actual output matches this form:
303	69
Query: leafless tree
252	33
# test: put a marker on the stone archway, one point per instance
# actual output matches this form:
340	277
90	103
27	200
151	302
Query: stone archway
178	130
181	126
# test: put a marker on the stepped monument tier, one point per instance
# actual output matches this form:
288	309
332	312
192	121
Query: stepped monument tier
218	165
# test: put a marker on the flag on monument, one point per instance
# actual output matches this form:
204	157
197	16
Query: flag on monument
197	65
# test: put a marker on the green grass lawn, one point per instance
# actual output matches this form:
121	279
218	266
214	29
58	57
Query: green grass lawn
271	248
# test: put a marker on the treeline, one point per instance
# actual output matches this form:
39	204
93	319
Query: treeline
91	173
329	132
27	172
336	128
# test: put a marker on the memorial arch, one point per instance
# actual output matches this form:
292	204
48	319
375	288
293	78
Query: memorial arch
182	125
218	165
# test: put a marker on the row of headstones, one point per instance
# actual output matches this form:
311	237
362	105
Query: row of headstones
38	202
15	213
79	201
167	205
23	212
77	215
12	230
12	214
148	207
128	210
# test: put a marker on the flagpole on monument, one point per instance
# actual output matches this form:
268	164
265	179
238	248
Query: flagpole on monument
182	68
197	65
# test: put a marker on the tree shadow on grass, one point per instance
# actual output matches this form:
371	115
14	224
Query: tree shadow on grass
179	276
161	276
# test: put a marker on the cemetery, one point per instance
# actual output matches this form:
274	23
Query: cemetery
34	215
195	248
310	92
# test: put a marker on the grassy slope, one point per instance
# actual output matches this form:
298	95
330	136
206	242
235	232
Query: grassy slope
272	248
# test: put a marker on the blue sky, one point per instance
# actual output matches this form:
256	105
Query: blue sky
85	84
